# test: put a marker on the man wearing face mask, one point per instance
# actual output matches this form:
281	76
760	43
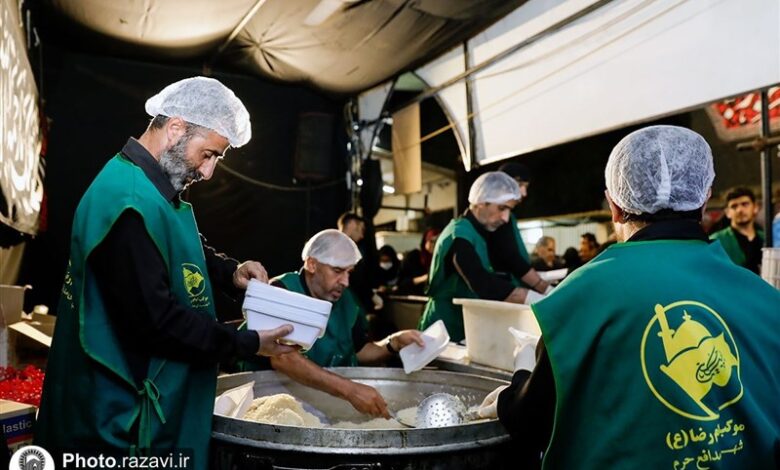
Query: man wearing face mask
470	261
133	362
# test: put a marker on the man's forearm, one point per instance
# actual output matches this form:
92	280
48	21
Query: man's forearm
372	354
302	370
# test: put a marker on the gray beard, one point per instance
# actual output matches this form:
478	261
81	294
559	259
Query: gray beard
174	164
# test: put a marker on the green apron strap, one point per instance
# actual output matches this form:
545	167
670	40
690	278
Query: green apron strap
150	397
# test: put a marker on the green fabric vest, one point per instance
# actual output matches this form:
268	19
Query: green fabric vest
664	355
728	239
336	348
442	288
519	239
520	247
90	399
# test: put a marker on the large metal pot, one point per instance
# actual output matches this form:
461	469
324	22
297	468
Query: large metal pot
243	444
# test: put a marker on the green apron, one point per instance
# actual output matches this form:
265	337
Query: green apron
520	246
442	288
664	355
519	239
728	239
90	398
336	348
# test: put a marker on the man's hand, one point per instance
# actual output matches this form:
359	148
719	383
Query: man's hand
489	407
249	270
404	338
268	344
377	301
367	400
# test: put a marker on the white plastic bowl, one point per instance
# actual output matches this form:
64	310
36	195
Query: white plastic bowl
486	324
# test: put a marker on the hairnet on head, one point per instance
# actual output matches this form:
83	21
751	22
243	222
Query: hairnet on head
495	187
333	248
205	102
660	167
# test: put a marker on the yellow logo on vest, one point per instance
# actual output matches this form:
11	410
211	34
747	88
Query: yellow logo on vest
194	281
195	284
690	360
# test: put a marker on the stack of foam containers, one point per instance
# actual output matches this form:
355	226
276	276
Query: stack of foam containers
267	307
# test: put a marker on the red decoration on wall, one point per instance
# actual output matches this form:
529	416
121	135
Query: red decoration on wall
739	117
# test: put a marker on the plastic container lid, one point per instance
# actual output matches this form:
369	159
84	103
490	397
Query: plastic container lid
415	357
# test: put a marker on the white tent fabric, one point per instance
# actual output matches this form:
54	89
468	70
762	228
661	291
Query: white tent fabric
453	98
627	62
370	107
194	27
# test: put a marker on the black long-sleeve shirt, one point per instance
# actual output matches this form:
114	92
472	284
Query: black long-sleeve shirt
752	250
527	407
502	253
134	283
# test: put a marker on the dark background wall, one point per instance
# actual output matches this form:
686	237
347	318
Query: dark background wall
96	103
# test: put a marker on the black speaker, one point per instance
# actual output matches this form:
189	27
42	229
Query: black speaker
314	147
371	192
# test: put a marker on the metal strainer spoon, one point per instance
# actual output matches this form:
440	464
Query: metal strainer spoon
440	410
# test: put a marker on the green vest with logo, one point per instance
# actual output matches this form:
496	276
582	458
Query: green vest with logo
90	398
728	239
664	355
336	348
442	288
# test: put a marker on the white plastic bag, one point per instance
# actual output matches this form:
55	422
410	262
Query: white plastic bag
525	349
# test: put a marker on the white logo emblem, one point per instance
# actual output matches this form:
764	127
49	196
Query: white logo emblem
31	458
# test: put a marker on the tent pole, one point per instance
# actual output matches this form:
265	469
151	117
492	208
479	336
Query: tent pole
766	170
241	24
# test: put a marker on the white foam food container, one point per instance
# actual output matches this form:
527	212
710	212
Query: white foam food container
268	307
235	402
414	357
486	324
286	312
303	335
286	297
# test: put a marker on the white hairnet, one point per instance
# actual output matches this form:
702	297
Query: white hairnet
494	187
205	102
660	167
333	248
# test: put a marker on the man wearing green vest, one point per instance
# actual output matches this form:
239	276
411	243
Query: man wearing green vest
742	240
660	352
133	364
328	258
470	261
